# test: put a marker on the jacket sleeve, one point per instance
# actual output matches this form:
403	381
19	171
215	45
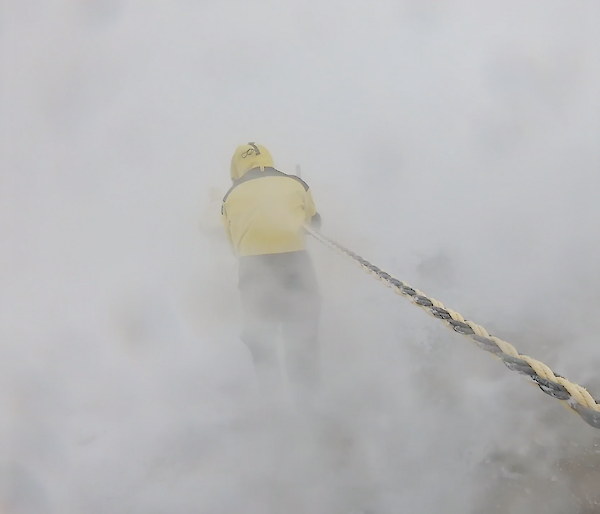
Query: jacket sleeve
226	226
312	216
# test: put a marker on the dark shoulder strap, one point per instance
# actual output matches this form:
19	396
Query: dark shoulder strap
257	173
298	179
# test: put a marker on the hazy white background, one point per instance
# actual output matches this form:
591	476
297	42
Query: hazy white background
454	143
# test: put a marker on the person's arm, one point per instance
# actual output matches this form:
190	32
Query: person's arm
313	218
227	227
315	221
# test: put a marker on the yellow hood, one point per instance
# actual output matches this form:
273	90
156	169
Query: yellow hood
248	157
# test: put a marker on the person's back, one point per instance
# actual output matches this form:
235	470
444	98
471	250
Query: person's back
264	213
265	210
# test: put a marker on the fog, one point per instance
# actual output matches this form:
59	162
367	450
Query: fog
454	144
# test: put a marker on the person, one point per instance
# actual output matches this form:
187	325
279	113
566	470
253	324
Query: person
264	213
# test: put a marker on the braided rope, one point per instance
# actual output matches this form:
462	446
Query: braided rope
574	395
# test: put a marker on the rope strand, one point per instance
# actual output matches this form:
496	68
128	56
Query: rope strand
575	396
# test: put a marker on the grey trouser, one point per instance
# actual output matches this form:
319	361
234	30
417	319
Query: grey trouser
280	291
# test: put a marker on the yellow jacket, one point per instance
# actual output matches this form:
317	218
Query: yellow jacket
265	209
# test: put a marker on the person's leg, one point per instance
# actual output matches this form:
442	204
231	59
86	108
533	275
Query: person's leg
260	337
261	325
300	332
300	329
